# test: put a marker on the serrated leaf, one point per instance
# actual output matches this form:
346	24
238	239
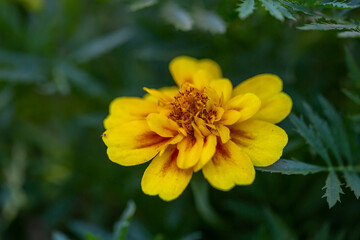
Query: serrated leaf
102	45
296	6
177	16
327	26
354	70
285	12
121	227
290	167
309	135
337	128
353	182
323	132
246	8
352	96
332	189
272	9
209	21
336	5
349	34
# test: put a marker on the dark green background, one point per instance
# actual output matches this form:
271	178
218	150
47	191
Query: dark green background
62	64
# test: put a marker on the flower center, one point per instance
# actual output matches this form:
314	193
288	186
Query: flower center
189	104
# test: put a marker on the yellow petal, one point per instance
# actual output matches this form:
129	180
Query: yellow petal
207	152
201	125
212	94
170	92
212	67
161	96
263	86
162	177
263	142
247	104
182	69
230	117
224	133
162	125
201	78
223	87
229	167
133	143
275	108
190	149
126	109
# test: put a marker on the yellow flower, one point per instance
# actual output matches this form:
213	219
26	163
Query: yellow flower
203	124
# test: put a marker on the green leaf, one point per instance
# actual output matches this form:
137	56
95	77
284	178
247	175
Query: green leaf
296	6
337	128
352	96
284	11
327	26
102	45
323	132
349	34
21	75
209	21
290	167
193	236
59	236
278	228
20	59
200	189
354	70
6	95
309	135
246	8
177	16
81	79
323	233
272	9
336	5
90	236
121	227
141	4
81	229
244	210
355	117
353	182
332	189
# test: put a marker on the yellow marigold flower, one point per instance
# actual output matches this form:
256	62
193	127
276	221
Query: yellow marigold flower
203	124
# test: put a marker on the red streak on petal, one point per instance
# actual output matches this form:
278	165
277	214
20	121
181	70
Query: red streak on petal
149	139
237	135
169	162
220	149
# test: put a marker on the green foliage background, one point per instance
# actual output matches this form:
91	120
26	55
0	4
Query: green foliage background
62	62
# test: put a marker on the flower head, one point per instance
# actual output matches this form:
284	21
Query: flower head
203	124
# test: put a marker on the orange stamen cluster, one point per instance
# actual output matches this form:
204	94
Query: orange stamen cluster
188	104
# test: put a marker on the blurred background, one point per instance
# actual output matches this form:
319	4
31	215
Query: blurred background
63	61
